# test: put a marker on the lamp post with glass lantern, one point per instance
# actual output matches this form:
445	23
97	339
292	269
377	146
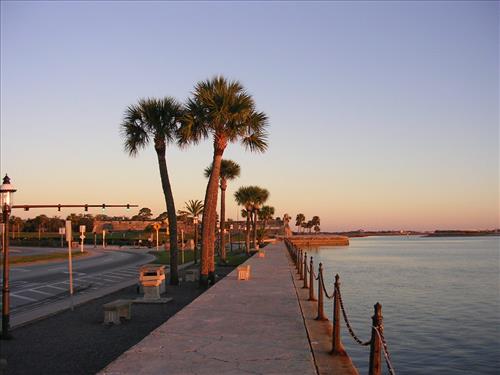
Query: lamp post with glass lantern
6	198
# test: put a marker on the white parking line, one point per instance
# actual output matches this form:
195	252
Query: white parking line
106	280
75	273
39	291
23	297
55	287
110	275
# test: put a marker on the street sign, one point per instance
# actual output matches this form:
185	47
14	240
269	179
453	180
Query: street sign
62	231
69	235
156	226
82	228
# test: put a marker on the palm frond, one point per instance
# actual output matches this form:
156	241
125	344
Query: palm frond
229	170
150	118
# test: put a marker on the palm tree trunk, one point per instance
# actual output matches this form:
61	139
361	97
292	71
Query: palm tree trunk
207	272
172	218
247	234
255	244
223	220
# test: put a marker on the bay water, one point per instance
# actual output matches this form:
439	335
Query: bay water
440	300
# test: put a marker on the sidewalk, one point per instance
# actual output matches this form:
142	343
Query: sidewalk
236	327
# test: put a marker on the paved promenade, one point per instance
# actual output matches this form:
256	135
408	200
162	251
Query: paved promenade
236	327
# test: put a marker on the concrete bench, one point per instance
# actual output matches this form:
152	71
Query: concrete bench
244	272
192	275
113	311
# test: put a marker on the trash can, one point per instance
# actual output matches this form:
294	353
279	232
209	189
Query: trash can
152	279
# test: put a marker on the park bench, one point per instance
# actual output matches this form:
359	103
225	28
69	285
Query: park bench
113	311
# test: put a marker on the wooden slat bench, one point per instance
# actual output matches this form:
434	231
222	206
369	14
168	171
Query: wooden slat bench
113	311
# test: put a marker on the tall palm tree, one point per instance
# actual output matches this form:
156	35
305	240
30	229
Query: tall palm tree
299	220
194	208
222	110
157	121
229	170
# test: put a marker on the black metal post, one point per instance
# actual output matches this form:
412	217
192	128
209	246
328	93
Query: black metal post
5	279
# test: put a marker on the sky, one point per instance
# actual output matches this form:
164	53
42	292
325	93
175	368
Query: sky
382	115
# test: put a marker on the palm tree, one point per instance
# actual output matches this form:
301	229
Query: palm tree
222	110
229	170
243	198
315	222
303	226
266	213
299	220
259	197
309	225
252	198
156	120
194	208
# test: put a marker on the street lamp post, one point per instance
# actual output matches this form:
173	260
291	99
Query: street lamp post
195	222
6	197
230	239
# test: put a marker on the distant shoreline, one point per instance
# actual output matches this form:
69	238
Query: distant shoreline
437	233
463	234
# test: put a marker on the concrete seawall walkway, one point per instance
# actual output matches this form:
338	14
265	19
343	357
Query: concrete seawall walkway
236	327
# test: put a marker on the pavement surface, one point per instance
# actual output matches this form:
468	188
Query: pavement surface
77	342
236	327
39	289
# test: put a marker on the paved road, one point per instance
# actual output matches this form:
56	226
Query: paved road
36	285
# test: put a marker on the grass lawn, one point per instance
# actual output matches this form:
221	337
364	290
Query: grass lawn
42	257
163	257
232	259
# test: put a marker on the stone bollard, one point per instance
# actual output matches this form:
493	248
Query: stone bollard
311	281
337	347
375	367
305	272
321	310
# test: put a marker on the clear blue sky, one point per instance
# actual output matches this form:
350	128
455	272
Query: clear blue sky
382	114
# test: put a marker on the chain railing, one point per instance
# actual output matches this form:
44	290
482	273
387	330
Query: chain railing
377	342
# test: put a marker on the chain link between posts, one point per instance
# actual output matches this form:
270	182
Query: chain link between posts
348	323
324	289
385	350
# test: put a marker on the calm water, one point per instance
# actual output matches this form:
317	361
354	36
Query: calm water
440	300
